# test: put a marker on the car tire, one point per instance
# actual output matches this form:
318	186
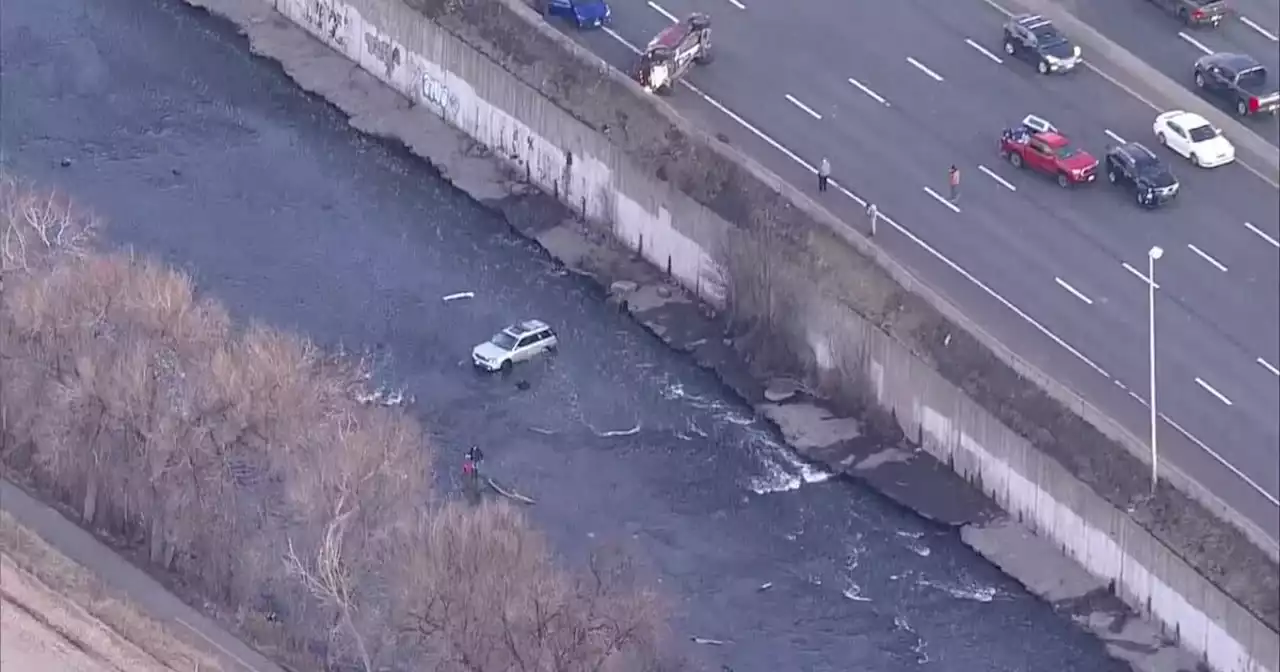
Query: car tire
1015	159
506	366
1164	142
1111	176
1195	160
1199	80
1064	181
1043	68
1009	48
1241	108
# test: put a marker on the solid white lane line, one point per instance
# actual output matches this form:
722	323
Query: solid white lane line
921	66
1203	255
936	197
983	50
867	90
1111	134
1223	461
904	231
1192	41
997	178
658	8
795	101
1209	388
1138	273
1265	33
1268	366
1077	293
1262	234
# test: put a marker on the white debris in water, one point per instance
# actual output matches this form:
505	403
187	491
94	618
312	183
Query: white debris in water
619	432
854	592
965	590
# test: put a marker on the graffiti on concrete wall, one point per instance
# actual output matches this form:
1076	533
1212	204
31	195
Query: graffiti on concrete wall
329	18
384	51
438	94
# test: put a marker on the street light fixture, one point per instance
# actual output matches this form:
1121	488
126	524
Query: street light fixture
1154	253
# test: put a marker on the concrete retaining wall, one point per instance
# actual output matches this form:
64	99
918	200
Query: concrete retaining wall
589	172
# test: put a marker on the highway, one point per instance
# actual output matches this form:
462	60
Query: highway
1163	42
1057	275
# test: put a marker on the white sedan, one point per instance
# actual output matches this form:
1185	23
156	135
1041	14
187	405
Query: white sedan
1192	136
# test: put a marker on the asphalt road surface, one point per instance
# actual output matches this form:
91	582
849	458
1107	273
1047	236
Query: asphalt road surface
1059	275
1161	40
211	159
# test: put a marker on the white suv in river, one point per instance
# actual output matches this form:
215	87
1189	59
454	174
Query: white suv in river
516	343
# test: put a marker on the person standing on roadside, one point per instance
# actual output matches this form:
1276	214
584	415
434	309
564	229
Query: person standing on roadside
824	174
953	178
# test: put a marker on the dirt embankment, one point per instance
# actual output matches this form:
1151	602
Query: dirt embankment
788	231
56	615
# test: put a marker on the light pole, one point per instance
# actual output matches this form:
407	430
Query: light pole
1154	253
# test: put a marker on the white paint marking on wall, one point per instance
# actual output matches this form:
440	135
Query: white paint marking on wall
1111	134
1194	42
659	9
1212	390
1262	234
1205	255
983	50
1077	293
808	110
936	197
923	68
1138	273
867	90
991	174
1265	33
1268	366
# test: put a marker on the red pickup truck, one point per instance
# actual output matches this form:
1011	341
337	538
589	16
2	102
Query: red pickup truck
1048	152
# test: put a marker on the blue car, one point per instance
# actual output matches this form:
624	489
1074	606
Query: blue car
583	13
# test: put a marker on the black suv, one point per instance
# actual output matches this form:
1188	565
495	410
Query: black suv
1034	38
1134	166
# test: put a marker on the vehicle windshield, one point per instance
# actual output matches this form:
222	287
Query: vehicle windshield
1066	152
1202	133
1252	80
503	340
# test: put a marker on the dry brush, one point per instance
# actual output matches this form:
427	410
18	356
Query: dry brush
242	462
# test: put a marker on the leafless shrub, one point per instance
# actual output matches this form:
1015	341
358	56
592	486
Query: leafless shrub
486	596
37	226
244	463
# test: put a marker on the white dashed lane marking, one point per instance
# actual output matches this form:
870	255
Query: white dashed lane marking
808	110
1268	366
1111	134
867	90
1262	234
1204	255
1211	390
983	50
991	174
659	9
1075	292
1265	33
1195	43
1138	273
925	69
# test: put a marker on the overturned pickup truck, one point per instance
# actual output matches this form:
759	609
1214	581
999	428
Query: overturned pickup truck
670	55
